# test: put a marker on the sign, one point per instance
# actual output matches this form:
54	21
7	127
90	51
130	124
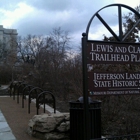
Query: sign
113	53
113	83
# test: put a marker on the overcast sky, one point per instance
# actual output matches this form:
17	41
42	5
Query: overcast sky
39	17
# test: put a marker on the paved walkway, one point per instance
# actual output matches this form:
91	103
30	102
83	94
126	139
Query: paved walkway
5	130
14	119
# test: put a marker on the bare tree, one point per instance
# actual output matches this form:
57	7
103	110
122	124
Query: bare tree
55	67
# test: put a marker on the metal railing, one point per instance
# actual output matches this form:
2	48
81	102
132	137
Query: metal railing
25	92
33	94
18	88
14	88
42	99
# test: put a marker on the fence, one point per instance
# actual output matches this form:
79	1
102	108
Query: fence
19	88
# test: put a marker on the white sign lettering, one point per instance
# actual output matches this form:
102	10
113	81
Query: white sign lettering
103	52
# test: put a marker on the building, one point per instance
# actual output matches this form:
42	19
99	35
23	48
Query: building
8	43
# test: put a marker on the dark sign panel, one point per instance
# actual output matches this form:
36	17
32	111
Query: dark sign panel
113	52
113	83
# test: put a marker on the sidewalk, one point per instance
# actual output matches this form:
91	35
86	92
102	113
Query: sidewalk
14	119
5	130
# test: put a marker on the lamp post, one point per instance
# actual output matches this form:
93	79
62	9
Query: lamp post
13	72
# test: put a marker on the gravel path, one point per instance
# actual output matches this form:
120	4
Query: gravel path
17	117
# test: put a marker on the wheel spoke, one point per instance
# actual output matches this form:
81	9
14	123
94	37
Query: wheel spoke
107	26
120	22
